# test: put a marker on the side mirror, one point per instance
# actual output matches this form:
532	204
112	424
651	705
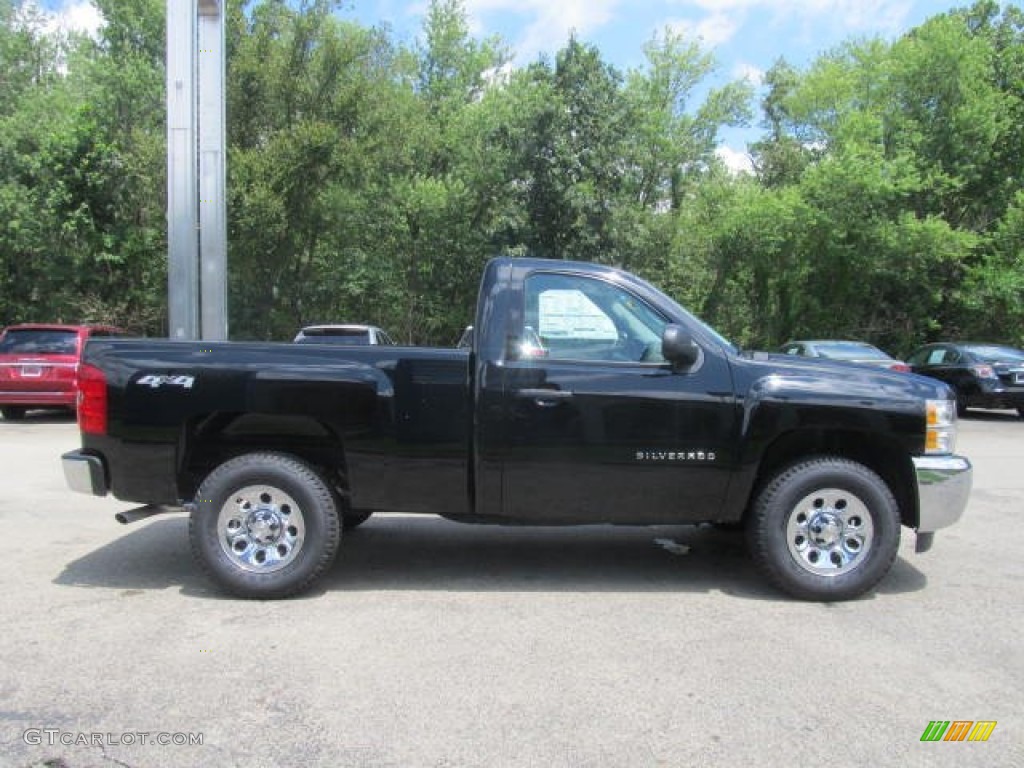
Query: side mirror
677	346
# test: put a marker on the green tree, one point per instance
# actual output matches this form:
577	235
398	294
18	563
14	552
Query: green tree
81	180
897	150
301	145
781	157
569	163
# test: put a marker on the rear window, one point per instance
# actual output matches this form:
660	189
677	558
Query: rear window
31	341
352	336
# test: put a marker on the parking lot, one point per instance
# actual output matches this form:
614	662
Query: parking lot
437	644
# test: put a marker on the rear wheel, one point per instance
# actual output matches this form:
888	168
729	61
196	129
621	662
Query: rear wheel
265	525
13	412
825	529
1020	411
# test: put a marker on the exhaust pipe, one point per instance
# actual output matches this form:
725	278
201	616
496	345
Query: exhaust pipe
141	513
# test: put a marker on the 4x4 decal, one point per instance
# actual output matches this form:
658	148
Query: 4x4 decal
155	381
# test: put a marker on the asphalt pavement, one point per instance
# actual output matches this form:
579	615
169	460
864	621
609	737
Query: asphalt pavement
437	644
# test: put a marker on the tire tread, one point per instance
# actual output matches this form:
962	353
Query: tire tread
763	517
311	481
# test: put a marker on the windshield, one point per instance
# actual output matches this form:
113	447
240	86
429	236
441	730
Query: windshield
991	353
691	318
849	350
39	341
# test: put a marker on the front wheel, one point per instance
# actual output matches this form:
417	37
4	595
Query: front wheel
265	525
825	529
13	412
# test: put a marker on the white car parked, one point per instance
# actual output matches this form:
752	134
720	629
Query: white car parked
348	335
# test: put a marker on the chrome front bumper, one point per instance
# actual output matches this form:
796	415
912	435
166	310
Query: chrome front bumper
84	473
943	486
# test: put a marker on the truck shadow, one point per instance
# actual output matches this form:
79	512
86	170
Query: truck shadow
412	553
153	555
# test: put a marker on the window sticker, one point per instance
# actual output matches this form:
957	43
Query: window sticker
569	314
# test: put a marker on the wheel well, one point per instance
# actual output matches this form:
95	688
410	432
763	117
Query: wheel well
884	457
210	440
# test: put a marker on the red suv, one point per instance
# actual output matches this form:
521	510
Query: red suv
39	365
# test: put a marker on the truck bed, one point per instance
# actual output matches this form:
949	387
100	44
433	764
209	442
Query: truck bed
395	409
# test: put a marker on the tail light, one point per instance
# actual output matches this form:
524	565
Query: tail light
92	400
901	367
984	371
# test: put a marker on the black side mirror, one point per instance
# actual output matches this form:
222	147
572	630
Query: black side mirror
678	348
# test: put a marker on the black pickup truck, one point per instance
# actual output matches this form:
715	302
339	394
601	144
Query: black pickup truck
587	397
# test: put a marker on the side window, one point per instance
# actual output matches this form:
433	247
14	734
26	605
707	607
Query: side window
571	317
937	357
918	358
792	349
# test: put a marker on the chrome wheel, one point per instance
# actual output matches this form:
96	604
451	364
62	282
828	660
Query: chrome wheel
261	528
829	532
825	528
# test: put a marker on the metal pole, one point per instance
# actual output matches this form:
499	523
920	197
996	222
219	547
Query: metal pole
182	240
213	237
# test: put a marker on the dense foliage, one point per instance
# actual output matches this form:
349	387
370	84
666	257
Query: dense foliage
370	180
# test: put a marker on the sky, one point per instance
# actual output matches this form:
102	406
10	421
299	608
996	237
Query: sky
746	36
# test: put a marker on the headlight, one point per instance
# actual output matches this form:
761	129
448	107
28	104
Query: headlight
940	436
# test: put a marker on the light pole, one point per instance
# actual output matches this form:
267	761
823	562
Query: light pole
196	170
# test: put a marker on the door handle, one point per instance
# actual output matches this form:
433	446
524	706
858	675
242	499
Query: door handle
544	397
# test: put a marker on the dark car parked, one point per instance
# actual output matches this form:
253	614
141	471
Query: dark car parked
982	375
847	351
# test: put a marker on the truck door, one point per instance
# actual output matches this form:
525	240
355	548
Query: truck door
597	426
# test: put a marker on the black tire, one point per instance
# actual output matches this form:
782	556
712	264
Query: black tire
13	412
265	525
825	529
1020	411
352	520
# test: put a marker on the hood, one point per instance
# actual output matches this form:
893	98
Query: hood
778	376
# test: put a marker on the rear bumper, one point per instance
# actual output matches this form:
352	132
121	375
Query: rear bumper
61	399
85	473
943	486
